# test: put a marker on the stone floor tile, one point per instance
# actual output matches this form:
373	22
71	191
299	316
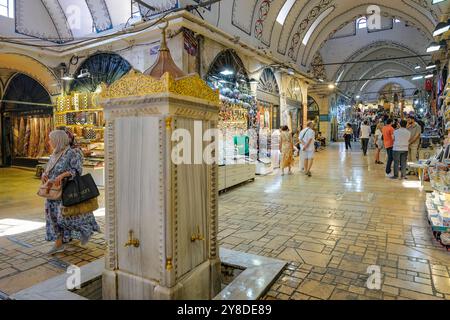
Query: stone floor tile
442	284
316	289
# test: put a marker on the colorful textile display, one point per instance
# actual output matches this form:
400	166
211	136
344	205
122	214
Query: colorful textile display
31	136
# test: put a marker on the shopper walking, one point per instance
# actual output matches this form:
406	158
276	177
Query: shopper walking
416	131
388	139
307	140
287	150
65	162
365	136
378	142
401	144
348	134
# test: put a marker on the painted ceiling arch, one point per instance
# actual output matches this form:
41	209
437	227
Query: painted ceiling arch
376	87
341	17
392	73
360	70
366	46
33	68
63	21
373	72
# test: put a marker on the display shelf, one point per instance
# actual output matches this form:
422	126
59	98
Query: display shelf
60	113
434	204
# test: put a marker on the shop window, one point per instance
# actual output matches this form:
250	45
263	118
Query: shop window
7	8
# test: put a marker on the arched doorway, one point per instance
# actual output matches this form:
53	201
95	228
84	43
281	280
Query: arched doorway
99	68
238	107
26	121
314	112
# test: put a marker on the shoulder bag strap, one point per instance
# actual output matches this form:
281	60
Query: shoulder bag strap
305	134
47	171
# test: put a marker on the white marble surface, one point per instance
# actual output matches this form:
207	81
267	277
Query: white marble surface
260	273
56	288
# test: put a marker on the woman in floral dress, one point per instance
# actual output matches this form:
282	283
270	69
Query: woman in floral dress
65	162
287	150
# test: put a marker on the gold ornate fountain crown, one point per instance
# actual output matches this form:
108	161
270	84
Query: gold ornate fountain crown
136	83
163	77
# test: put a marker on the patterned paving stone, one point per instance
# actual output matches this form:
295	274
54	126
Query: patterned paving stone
316	289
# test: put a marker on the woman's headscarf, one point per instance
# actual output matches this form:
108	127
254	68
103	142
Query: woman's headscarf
60	141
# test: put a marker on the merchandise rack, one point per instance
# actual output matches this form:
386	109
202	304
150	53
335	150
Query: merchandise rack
432	209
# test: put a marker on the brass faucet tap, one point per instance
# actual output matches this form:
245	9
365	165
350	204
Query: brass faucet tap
131	241
198	236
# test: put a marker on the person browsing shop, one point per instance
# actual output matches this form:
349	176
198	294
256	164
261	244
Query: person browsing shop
307	140
365	136
388	138
416	131
401	144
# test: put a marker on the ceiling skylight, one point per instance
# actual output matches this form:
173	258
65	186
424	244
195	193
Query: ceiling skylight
285	11
315	24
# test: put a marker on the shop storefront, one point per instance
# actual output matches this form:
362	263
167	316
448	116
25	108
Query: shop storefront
238	138
78	111
26	116
293	115
268	122
314	113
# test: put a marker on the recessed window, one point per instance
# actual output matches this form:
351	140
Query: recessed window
361	23
7	8
135	10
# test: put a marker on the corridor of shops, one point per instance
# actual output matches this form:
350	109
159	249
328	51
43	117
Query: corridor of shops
330	228
225	150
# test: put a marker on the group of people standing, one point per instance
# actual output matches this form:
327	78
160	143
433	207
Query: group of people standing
400	138
307	146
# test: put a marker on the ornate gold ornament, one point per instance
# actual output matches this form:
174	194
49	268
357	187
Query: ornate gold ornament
136	84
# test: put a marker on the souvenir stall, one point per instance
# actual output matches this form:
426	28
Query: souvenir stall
80	114
268	123
293	115
26	121
237	120
78	110
437	168
314	113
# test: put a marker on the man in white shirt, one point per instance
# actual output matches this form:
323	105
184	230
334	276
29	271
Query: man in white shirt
365	136
401	145
307	138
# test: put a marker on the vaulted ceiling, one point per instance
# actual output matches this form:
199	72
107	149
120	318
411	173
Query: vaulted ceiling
301	32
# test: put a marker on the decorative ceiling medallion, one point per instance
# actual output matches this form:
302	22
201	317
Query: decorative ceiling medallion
318	68
135	84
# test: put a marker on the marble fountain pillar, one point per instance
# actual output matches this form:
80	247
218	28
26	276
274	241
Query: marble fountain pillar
161	217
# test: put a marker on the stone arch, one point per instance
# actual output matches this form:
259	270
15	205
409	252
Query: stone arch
104	67
33	68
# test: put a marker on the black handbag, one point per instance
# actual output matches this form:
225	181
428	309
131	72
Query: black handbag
78	190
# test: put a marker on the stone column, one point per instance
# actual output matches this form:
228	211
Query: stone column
161	215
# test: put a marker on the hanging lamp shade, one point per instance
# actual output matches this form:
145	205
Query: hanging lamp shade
164	63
